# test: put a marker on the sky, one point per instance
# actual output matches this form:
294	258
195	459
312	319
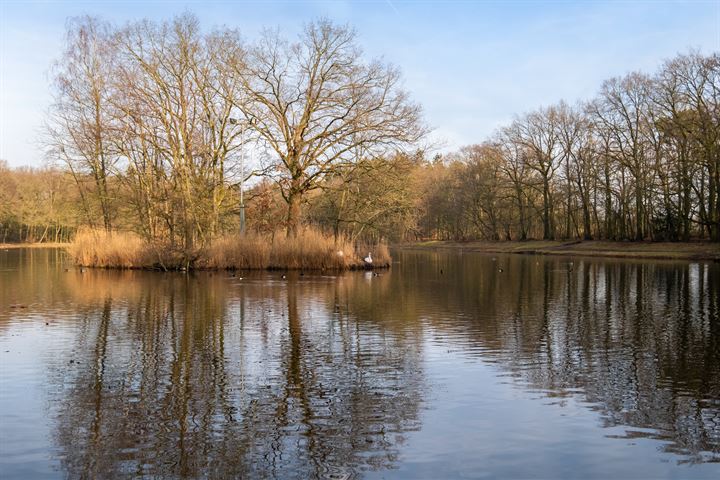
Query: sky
472	65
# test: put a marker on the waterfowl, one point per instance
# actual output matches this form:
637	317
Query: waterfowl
368	259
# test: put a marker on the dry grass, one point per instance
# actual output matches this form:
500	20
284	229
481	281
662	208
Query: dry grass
98	248
380	253
250	252
310	250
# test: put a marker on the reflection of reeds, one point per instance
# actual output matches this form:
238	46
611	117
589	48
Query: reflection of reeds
310	250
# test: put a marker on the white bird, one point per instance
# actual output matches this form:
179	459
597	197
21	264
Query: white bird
368	259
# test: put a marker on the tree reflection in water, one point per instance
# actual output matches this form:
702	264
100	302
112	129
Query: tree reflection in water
191	377
323	377
638	341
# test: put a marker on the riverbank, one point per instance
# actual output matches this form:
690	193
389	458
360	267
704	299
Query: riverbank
8	246
647	250
310	250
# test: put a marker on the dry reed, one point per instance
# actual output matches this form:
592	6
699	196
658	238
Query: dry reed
310	250
98	248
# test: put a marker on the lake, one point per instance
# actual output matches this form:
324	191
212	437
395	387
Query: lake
448	365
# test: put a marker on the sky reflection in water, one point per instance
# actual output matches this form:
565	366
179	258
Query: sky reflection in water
603	368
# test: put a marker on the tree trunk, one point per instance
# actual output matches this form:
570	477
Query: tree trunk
639	235
293	215
547	234
686	197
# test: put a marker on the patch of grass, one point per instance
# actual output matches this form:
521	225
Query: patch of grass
98	248
310	250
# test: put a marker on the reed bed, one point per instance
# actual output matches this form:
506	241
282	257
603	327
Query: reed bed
99	248
310	250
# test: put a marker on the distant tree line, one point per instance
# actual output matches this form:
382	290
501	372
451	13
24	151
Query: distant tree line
155	125
36	205
640	161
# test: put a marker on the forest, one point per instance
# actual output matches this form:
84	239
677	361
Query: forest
183	136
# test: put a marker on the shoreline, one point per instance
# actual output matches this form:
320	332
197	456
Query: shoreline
9	246
158	268
699	250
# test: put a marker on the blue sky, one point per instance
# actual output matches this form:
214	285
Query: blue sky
473	65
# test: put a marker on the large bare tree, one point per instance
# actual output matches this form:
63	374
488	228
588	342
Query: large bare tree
319	107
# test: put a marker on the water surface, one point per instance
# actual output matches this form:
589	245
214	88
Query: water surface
442	367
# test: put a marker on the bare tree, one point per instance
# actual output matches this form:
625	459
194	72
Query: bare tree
622	109
691	84
320	107
538	134
78	126
515	168
371	199
578	145
174	127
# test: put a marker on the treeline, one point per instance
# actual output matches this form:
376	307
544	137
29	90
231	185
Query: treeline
177	134
36	205
640	161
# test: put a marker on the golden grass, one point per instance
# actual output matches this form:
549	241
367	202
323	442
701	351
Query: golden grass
98	248
310	250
